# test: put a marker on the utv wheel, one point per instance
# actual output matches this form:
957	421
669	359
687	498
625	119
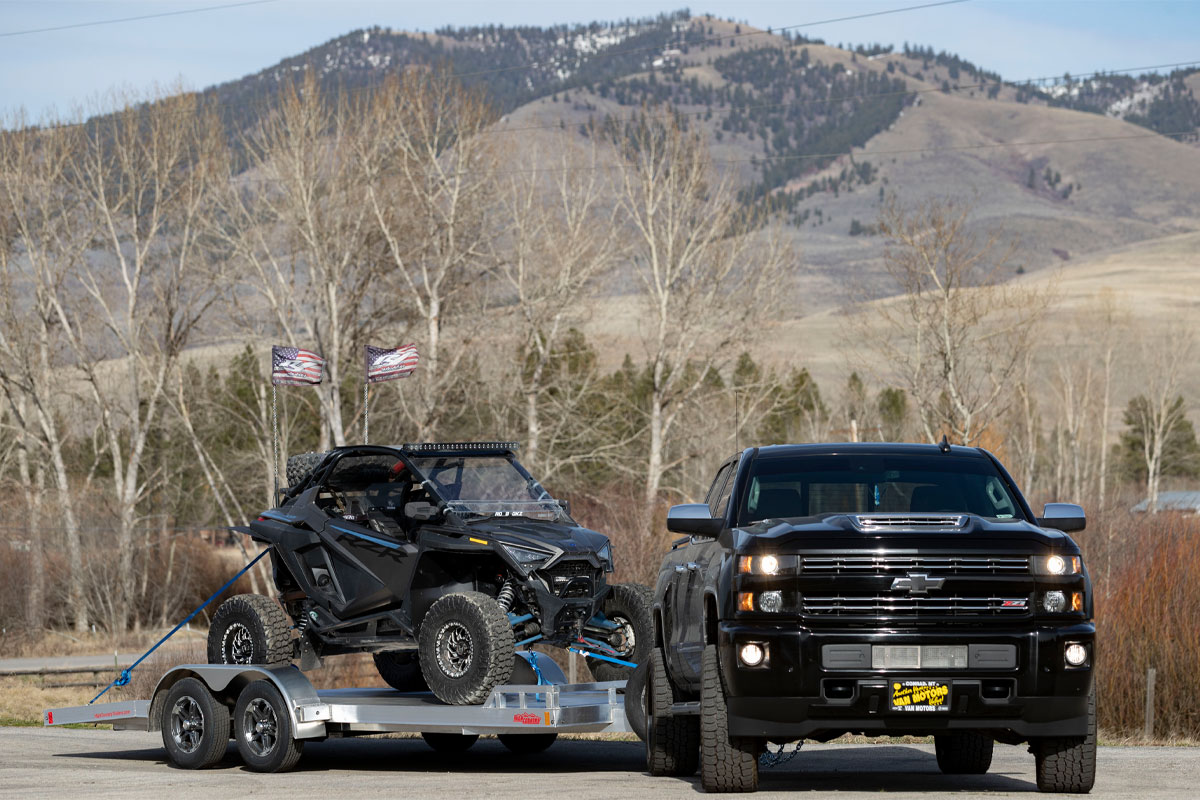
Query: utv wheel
450	743
401	671
963	753
527	744
635	700
1068	764
672	743
727	764
299	466
263	729
628	604
250	629
465	648
195	727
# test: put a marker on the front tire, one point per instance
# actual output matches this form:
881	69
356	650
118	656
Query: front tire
262	727
963	753
195	727
672	743
401	671
1068	764
250	629
628	604
727	764
465	648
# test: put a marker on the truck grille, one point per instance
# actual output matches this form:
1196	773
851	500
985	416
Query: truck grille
884	606
936	565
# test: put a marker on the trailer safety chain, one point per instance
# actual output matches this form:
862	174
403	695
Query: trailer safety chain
124	678
777	758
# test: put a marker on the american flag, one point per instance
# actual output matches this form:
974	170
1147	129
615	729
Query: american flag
386	365
291	366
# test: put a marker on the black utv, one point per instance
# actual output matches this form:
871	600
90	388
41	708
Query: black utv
438	559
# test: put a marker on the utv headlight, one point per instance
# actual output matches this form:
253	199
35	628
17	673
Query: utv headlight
1057	565
526	557
606	556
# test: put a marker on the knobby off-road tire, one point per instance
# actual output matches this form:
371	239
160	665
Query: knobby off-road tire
401	671
527	744
635	699
195	726
299	466
450	743
1068	764
465	648
629	605
727	764
263	731
250	629
963	753
672	743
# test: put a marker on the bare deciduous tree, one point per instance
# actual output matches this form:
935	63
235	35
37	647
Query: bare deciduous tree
1164	360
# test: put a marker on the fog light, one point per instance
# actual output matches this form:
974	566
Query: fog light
1076	654
752	654
1054	602
770	601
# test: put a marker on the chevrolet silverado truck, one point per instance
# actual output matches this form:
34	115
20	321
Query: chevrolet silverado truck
879	589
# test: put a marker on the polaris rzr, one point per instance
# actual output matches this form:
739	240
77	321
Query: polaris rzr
440	560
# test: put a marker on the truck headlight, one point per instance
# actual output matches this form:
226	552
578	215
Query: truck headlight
758	565
771	602
1057	565
1054	602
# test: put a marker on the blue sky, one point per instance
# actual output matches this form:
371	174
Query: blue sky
54	72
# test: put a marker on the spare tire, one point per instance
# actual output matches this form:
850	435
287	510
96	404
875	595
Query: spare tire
250	629
299	467
465	647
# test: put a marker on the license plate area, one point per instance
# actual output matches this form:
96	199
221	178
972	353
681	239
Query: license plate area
920	696
900	656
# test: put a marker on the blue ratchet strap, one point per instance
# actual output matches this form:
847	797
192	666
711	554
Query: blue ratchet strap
124	678
590	654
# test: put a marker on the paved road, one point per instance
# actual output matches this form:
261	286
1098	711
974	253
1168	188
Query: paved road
101	763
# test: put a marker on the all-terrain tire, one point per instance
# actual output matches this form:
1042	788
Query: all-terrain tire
195	725
628	604
401	671
963	753
450	743
1068	764
465	647
527	744
262	728
250	629
727	764
635	699
672	742
298	466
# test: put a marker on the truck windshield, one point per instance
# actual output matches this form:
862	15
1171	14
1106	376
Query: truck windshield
486	485
806	486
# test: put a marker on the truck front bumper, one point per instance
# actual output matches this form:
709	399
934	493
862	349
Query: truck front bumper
796	693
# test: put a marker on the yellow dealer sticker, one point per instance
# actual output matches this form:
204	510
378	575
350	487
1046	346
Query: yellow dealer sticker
920	695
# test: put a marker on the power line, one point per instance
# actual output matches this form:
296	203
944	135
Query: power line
134	19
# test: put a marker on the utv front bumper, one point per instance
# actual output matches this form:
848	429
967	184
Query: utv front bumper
820	683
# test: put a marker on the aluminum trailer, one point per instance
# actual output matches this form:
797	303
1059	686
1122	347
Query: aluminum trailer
271	712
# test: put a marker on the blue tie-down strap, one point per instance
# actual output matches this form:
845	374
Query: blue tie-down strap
610	659
124	678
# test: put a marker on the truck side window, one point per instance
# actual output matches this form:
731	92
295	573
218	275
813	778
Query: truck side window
718	484
722	500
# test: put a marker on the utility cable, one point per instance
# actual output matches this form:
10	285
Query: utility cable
134	19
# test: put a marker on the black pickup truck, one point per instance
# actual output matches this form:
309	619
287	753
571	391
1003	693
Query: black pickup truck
882	589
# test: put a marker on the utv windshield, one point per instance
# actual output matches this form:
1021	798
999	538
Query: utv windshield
486	485
806	486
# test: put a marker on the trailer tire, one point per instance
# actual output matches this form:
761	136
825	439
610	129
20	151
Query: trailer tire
963	753
250	629
527	744
672	743
195	726
401	671
262	727
629	605
635	700
465	648
1068	764
450	743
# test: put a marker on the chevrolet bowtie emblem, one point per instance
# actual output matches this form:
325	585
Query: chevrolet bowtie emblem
918	583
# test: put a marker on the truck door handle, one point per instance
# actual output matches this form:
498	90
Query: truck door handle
679	568
692	566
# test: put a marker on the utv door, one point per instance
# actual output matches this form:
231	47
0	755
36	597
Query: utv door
371	571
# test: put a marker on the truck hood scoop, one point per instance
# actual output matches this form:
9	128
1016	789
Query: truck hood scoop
910	522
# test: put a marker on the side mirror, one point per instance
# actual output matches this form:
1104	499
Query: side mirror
694	519
1063	517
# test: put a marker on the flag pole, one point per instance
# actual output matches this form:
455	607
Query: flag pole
275	439
366	414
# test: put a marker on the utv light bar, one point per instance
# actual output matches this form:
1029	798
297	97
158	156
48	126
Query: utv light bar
458	446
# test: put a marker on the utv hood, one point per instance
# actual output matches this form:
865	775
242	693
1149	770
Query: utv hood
564	538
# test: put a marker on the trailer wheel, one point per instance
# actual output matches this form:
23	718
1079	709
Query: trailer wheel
963	753
250	629
450	743
195	726
628	605
672	743
465	648
1068	764
527	744
401	671
262	727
